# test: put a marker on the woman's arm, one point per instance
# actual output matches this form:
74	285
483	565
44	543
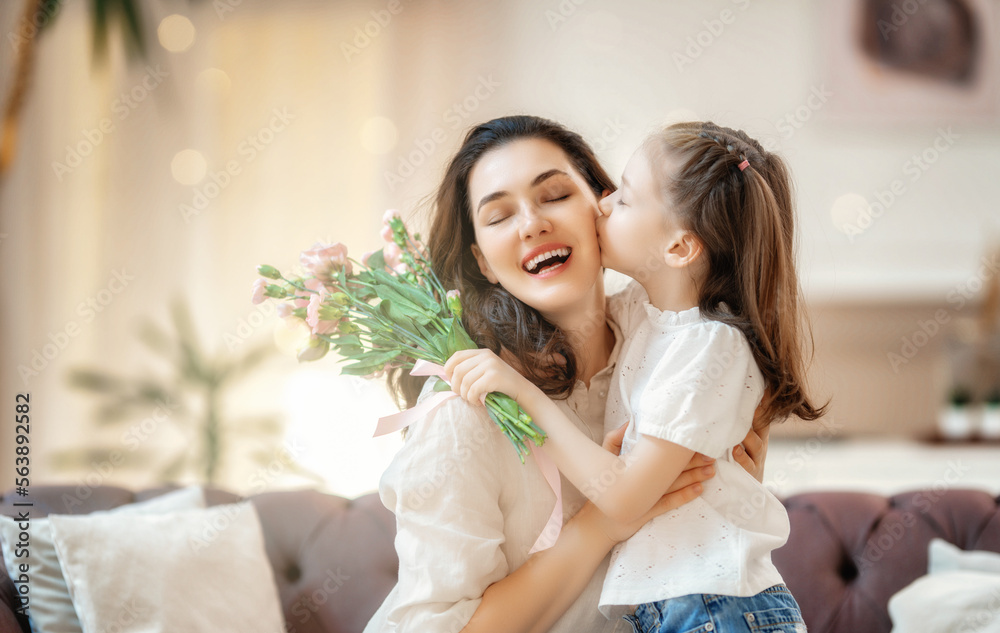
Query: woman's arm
445	487
539	592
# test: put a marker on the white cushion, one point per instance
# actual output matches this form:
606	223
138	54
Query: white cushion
961	593
197	571
50	606
943	556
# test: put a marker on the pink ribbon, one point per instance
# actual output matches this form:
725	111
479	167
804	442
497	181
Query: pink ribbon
552	527
403	419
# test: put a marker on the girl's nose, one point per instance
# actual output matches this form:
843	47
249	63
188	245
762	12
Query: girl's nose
533	223
605	204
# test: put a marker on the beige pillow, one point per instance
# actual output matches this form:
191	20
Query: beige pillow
193	571
51	608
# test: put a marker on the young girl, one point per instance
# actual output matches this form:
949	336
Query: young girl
704	222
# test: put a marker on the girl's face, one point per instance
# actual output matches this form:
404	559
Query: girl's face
637	226
533	216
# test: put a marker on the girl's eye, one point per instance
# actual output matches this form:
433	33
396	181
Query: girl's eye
496	220
563	197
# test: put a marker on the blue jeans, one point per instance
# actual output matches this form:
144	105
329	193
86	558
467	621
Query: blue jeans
773	610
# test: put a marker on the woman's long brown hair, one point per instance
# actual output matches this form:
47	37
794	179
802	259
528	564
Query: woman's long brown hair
745	222
495	318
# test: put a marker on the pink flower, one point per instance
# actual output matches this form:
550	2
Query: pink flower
393	257
312	311
389	215
284	310
311	284
325	327
322	259
318	325
259	287
386	233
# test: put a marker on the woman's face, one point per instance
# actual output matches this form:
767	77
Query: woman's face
533	216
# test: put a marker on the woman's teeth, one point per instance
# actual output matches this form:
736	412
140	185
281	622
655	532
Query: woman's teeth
534	262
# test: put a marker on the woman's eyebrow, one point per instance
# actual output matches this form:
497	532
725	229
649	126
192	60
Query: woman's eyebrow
542	177
539	179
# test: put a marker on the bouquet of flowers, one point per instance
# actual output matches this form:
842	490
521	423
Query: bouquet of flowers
386	311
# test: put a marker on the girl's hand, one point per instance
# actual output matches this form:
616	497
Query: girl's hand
686	488
474	373
613	440
751	453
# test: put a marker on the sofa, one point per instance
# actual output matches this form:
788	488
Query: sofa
847	553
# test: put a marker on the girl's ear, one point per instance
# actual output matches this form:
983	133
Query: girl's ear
683	249
484	266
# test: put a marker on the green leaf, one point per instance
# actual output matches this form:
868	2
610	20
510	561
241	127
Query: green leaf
47	11
376	261
350	351
347	340
156	339
420	296
411	309
370	363
93	380
395	314
133	27
458	339
437	344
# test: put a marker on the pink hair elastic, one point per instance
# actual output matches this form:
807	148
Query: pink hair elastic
744	164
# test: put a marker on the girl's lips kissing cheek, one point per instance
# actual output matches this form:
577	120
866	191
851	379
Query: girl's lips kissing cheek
546	260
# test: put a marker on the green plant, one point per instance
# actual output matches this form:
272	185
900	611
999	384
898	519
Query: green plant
192	392
36	17
960	397
993	398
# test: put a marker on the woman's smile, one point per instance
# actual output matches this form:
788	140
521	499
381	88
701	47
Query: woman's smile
546	260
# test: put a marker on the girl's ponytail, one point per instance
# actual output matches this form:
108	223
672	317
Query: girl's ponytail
736	197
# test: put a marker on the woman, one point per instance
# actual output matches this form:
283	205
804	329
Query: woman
514	231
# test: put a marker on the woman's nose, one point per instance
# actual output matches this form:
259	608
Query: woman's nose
533	223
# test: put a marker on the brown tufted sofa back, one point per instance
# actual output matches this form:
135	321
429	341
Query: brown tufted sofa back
333	558
334	561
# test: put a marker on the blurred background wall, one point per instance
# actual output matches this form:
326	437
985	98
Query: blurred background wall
252	129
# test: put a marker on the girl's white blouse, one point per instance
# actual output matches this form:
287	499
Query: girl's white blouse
467	512
693	382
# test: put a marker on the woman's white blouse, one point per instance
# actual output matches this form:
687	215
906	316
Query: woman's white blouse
467	512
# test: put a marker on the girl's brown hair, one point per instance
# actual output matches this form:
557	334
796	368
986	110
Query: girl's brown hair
745	222
495	318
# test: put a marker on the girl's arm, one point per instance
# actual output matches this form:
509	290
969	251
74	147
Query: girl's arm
623	490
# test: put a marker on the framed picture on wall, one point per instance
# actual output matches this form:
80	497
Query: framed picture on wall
913	60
